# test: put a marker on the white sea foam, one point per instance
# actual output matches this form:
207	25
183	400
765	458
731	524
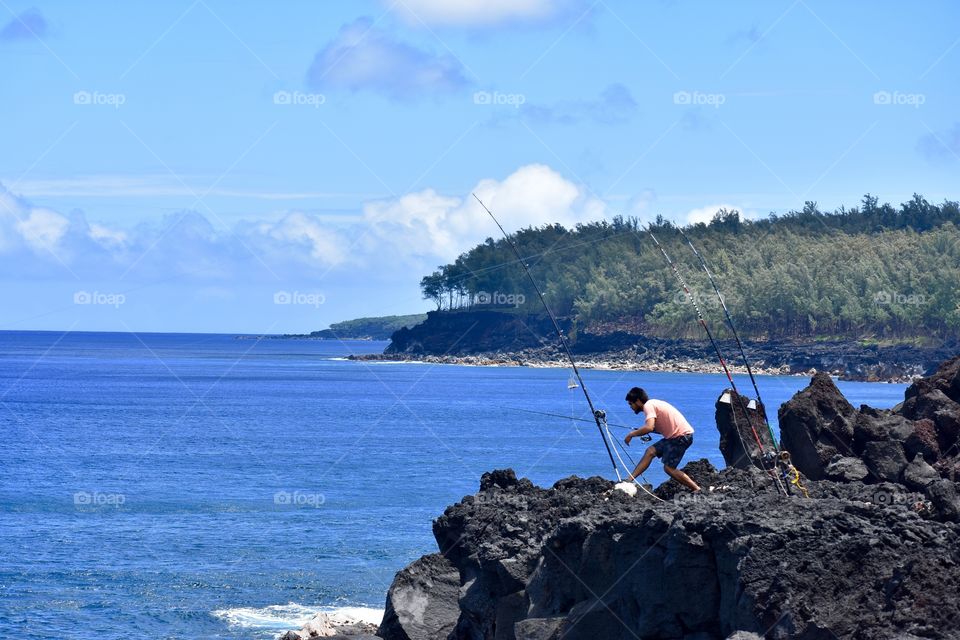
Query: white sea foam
281	617
346	615
286	616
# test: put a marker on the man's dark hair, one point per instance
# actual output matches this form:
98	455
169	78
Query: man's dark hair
637	394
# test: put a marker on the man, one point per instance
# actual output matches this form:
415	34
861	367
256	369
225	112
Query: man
665	419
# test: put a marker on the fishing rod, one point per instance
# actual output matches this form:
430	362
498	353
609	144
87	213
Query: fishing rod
560	415
599	416
736	336
556	326
723	363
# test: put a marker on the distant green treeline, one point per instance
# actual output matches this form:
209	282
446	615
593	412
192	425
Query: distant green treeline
376	328
873	271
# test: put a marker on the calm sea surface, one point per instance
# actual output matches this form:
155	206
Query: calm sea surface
187	486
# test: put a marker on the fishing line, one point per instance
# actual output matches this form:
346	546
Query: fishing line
599	417
683	283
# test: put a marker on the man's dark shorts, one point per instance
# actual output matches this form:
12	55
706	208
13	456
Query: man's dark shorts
672	450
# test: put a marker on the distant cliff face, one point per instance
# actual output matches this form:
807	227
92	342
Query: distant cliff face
376	328
874	553
473	332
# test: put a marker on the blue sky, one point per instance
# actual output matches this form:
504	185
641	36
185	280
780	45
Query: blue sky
183	166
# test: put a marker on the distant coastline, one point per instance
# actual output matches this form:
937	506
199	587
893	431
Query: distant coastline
615	363
505	338
493	338
370	328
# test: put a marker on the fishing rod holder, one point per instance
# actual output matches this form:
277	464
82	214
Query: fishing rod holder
601	415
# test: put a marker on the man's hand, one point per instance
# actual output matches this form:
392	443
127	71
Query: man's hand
628	438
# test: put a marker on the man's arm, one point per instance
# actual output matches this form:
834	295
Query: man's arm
642	431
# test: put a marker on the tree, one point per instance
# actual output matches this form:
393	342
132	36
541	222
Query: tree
432	288
870	270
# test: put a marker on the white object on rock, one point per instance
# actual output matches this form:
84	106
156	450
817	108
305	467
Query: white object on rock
342	620
627	487
320	626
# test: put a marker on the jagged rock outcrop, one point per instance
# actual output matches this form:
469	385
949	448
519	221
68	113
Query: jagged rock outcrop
579	560
741	423
422	601
937	399
816	425
828	438
918	475
846	469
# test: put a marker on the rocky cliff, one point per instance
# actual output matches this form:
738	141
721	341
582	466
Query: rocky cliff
916	440
871	555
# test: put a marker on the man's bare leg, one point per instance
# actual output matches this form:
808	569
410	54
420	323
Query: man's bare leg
682	478
645	461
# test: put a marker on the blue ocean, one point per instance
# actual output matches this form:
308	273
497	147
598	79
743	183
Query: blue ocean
188	486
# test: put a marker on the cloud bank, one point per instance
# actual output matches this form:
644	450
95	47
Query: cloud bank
413	232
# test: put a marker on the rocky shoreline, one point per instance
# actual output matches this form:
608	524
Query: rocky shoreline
623	362
868	549
491	338
601	363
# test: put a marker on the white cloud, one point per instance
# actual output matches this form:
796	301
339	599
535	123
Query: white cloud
482	13
297	228
705	214
10	212
422	223
43	229
536	194
363	56
428	224
106	236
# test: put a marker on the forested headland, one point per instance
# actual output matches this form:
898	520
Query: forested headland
376	328
871	272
